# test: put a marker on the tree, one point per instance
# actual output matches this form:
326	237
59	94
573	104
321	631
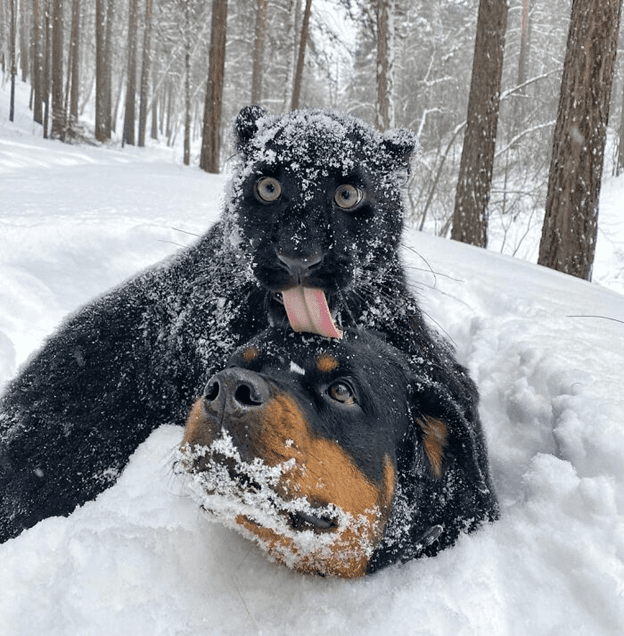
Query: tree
619	168
12	56
571	220
58	100
211	134
145	71
523	67
258	52
24	41
37	60
303	42
103	100
384	110
130	110
187	10
47	70
477	159
74	64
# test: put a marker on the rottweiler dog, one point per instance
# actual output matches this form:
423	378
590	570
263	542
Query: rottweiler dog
338	457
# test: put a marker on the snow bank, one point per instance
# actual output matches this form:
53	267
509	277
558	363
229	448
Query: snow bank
545	349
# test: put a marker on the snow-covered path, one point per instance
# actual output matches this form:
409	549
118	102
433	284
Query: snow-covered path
545	349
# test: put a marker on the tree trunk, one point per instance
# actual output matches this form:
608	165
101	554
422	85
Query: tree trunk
108	76
24	41
523	69
384	111
477	159
187	85
155	100
258	51
145	70
303	41
620	158
130	111
74	57
58	101
293	11
211	133
47	65
12	56
102	73
571	220
38	61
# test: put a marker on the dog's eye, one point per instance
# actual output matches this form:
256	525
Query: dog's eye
341	392
347	196
268	189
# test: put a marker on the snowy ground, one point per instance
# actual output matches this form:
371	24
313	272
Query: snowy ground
546	350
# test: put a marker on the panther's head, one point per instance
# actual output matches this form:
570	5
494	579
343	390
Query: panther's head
317	198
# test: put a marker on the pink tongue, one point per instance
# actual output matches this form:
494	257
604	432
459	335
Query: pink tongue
307	310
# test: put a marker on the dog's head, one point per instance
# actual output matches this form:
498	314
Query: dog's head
318	201
320	451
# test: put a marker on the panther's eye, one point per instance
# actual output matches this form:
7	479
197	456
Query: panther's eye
341	392
347	196
268	189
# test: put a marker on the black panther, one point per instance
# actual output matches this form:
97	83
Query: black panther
308	238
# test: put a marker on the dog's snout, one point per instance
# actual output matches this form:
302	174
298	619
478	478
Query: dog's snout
235	390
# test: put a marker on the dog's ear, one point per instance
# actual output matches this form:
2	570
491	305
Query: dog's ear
401	145
446	438
246	125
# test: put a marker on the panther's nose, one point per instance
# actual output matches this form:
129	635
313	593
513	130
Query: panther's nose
299	267
235	391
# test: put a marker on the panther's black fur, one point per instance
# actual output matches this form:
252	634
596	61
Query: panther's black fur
136	357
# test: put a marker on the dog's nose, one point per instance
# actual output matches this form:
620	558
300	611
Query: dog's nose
234	391
299	267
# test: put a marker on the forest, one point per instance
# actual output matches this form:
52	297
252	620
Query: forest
510	98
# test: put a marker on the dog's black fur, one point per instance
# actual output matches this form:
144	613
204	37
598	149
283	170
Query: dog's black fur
136	357
379	408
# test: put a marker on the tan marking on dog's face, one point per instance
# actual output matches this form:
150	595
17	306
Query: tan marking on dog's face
197	431
250	354
389	481
326	363
324	474
435	439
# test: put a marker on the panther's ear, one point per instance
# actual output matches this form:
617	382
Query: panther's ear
401	145
246	125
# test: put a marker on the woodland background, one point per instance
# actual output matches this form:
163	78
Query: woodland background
479	80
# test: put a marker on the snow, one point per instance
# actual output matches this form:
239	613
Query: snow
547	352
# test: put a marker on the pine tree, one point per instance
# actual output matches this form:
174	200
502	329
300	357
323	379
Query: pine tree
258	51
384	110
477	159
145	73
571	221
303	42
58	101
130	109
211	134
